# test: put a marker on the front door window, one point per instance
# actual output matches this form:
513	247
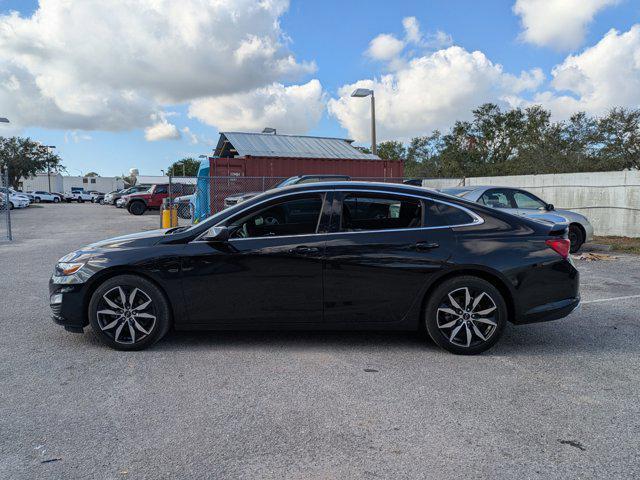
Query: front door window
298	216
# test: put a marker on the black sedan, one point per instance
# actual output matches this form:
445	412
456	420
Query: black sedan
340	255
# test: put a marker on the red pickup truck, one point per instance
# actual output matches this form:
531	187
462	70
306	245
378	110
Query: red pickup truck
139	202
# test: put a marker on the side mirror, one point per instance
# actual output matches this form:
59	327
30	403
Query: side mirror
217	234
550	207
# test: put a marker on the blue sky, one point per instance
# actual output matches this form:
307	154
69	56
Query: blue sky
335	35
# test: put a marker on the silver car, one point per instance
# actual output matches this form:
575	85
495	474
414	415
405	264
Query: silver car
521	202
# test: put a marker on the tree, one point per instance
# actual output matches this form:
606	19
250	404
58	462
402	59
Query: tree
423	156
91	174
189	164
392	150
23	157
619	133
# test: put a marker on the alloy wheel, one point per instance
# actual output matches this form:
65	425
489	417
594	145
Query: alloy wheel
467	317
126	314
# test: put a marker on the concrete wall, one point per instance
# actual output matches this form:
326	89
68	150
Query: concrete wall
610	200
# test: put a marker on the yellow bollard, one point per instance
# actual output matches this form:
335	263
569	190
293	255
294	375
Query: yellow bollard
169	217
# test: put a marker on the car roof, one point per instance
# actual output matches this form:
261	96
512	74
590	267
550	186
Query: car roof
361	185
473	188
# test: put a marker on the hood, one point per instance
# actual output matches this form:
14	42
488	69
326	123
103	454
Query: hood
140	239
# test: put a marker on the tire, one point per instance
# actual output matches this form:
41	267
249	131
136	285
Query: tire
122	328
576	237
11	207
137	208
80	200
460	333
56	200
37	200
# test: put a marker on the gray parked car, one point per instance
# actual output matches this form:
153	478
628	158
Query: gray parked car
521	202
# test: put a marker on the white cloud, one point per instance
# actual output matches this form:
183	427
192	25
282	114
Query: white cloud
412	29
194	138
603	76
429	92
385	47
76	137
161	130
560	24
91	64
292	109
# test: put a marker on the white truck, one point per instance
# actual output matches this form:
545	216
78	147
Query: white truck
77	194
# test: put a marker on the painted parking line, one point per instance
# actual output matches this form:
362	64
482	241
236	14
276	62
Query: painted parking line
611	299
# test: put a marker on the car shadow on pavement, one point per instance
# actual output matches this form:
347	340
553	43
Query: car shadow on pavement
573	335
290	339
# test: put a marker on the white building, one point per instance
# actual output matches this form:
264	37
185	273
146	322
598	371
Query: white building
59	183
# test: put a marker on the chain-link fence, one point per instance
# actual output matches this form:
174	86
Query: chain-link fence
195	198
5	207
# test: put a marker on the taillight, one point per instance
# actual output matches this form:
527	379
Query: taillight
560	245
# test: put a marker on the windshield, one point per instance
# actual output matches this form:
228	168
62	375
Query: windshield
287	181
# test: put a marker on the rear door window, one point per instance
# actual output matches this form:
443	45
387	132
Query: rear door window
496	199
362	212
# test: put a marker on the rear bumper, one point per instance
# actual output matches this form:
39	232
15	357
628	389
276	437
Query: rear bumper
550	311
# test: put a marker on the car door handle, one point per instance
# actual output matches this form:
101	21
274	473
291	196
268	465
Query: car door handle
424	246
304	250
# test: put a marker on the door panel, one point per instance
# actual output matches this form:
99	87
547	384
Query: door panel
273	280
376	277
268	273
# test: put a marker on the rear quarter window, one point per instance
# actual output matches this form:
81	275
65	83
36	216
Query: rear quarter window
444	215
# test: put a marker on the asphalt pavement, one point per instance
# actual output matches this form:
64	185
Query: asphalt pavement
553	400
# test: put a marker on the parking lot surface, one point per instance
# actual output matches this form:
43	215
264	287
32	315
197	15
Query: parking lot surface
553	400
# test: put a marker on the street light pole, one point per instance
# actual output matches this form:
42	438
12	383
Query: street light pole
49	166
374	145
365	92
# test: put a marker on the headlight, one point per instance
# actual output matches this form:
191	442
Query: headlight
66	268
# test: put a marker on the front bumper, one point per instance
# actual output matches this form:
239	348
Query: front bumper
68	305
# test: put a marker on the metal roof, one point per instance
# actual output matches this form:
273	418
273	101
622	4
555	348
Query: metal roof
299	146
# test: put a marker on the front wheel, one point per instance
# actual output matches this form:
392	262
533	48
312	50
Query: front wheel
466	315
128	312
11	207
37	200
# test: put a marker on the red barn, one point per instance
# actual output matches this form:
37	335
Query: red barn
257	161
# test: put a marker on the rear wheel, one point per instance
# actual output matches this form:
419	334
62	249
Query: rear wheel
137	208
11	207
465	315
576	238
56	199
128	312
